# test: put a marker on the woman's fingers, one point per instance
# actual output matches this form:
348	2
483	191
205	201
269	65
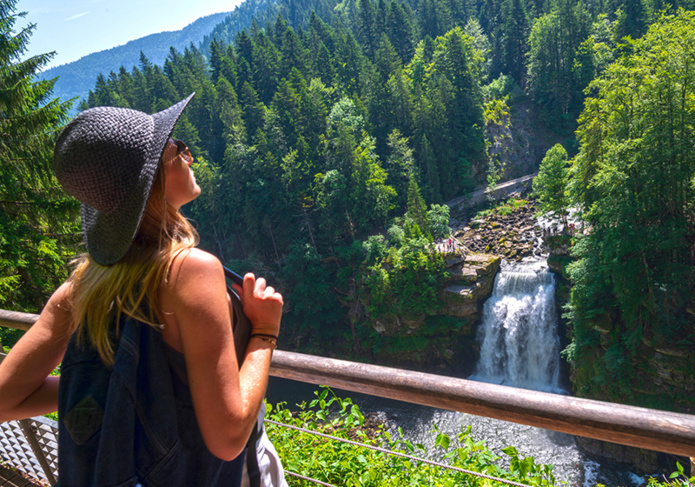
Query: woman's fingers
262	304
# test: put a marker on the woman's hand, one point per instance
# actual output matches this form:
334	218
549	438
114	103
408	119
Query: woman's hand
262	304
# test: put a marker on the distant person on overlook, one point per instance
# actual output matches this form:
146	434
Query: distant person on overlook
150	392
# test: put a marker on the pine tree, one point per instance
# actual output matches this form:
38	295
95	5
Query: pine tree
516	29
550	186
554	76
631	20
635	173
38	222
368	34
400	30
400	166
417	209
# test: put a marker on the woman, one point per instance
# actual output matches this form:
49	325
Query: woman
150	390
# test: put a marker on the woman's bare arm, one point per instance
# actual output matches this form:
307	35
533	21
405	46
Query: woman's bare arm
26	389
226	399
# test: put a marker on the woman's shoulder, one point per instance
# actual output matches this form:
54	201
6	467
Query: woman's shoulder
197	258
61	296
192	265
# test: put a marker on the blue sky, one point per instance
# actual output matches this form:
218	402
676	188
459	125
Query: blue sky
75	28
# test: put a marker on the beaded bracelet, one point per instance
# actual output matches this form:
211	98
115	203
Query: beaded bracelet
272	339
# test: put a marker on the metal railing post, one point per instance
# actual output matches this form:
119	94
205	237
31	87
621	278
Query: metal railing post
30	434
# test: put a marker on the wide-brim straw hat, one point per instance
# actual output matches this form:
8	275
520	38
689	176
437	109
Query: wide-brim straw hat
107	158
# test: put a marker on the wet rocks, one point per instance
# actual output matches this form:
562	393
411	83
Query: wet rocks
509	231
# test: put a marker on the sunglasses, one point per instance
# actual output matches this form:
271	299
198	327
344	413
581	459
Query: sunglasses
183	151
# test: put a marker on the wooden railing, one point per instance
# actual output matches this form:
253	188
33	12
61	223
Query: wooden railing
617	423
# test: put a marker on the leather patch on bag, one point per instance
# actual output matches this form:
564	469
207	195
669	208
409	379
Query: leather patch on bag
84	419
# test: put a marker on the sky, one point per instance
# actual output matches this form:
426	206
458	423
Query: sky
75	28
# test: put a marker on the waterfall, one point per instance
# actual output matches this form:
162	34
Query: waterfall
520	345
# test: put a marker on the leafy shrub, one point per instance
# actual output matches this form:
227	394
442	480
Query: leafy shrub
349	465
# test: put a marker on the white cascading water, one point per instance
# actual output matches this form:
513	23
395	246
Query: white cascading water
520	345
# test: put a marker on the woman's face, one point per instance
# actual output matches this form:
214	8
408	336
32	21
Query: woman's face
180	186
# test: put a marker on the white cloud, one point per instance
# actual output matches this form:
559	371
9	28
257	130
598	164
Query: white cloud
77	16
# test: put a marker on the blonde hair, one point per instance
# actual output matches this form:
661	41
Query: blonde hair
102	294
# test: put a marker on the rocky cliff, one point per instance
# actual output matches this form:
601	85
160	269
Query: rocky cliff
446	338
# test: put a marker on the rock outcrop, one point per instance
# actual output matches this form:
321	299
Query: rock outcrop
469	285
510	231
444	339
469	282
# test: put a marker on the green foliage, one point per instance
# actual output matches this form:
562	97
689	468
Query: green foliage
314	308
496	112
553	51
679	476
438	221
8	337
343	464
417	210
403	279
550	185
631	178
501	208
38	222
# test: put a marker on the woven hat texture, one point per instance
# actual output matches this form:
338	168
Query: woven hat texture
107	158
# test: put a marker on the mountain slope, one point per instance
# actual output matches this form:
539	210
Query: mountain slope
78	77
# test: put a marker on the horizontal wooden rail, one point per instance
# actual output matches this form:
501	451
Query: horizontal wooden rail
17	320
617	423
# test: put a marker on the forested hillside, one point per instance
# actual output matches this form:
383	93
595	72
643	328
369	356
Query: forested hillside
328	136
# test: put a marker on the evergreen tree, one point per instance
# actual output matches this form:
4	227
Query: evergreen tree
435	17
554	79
480	41
400	29
631	20
429	169
400	166
253	110
266	67
516	30
456	88
39	228
350	62
417	209
222	63
400	102
635	174
550	186
366	26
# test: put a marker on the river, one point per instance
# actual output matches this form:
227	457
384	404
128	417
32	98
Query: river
519	347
